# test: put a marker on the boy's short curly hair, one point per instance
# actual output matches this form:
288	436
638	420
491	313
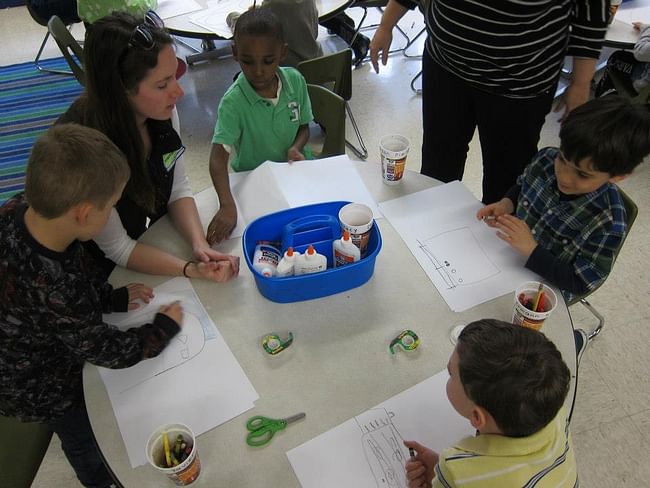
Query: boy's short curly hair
611	131
514	373
72	164
259	22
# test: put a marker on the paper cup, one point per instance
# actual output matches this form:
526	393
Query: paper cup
356	218
527	293
187	471
393	149
613	7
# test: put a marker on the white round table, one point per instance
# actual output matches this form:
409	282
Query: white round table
339	364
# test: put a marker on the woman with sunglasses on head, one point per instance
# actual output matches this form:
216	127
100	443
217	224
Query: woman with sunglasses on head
131	92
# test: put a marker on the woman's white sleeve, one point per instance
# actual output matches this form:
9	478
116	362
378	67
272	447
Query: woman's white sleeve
114	241
181	186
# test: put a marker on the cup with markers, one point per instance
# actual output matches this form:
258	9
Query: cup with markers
534	303
171	449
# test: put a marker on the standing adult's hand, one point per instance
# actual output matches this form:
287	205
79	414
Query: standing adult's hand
575	95
380	44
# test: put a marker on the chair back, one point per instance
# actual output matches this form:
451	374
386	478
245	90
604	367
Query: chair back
23	448
70	48
329	111
631	212
333	71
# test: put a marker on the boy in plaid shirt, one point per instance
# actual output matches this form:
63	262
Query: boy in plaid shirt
565	214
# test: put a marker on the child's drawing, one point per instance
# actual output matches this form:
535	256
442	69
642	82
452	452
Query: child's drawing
458	257
187	344
383	448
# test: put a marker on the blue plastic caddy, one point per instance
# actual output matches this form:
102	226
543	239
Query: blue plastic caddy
298	227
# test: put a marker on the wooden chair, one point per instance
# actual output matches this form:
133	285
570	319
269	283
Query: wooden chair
329	111
334	72
22	449
38	18
632	211
70	48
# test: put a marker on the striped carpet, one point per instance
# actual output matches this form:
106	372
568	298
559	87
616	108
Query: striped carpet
30	101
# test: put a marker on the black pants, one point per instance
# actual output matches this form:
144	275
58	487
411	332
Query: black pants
508	129
78	445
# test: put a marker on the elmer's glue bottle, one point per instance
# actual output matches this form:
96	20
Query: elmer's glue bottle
265	259
286	264
310	262
344	251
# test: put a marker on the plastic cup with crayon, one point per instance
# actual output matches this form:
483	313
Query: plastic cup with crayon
171	449
534	303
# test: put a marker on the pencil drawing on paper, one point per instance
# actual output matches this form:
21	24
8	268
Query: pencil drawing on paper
383	448
187	344
458	257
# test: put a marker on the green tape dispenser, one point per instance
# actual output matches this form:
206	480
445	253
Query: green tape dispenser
408	339
273	345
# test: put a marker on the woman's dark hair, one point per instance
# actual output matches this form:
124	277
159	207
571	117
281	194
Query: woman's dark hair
115	64
514	373
612	131
259	22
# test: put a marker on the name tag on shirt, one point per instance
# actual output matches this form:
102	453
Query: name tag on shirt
294	108
169	159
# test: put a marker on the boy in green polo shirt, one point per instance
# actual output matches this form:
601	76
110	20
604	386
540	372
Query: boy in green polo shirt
510	382
264	115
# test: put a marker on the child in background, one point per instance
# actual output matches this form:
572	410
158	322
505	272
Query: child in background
565	214
264	115
52	295
510	382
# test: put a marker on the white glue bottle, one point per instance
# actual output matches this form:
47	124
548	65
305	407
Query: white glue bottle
344	251
286	264
310	262
265	259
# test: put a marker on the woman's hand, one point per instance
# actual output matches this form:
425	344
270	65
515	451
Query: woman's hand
380	43
174	311
490	212
419	473
294	154
222	224
516	233
138	291
218	271
204	253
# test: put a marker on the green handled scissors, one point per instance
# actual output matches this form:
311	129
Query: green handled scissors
262	429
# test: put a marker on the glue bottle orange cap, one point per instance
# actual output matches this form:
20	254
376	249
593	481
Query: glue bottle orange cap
346	235
290	251
310	250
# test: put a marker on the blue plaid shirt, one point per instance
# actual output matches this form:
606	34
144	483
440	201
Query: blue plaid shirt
582	233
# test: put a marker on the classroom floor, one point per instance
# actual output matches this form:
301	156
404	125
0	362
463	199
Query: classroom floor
612	413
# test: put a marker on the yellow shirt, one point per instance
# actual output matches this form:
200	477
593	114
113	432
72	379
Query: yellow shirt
544	459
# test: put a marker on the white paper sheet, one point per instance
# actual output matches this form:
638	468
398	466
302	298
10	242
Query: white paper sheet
272	187
634	12
196	380
367	450
462	256
167	9
213	18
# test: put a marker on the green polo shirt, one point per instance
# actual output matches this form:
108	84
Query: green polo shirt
258	130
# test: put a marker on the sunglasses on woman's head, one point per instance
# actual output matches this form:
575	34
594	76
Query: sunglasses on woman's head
142	36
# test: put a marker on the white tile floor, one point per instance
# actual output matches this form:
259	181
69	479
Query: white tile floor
612	415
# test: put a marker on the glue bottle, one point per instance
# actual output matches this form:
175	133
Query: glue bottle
265	259
344	251
310	262
286	264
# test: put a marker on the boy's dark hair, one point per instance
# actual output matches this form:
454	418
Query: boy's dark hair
514	373
259	22
72	164
612	131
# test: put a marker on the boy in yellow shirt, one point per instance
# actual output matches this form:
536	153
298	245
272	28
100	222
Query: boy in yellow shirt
510	383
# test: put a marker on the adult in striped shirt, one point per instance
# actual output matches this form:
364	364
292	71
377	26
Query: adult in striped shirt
495	65
510	382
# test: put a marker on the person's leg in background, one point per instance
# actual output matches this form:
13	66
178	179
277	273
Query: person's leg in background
343	26
448	122
509	131
80	448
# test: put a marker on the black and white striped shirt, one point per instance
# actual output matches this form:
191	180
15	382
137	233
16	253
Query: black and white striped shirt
513	48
